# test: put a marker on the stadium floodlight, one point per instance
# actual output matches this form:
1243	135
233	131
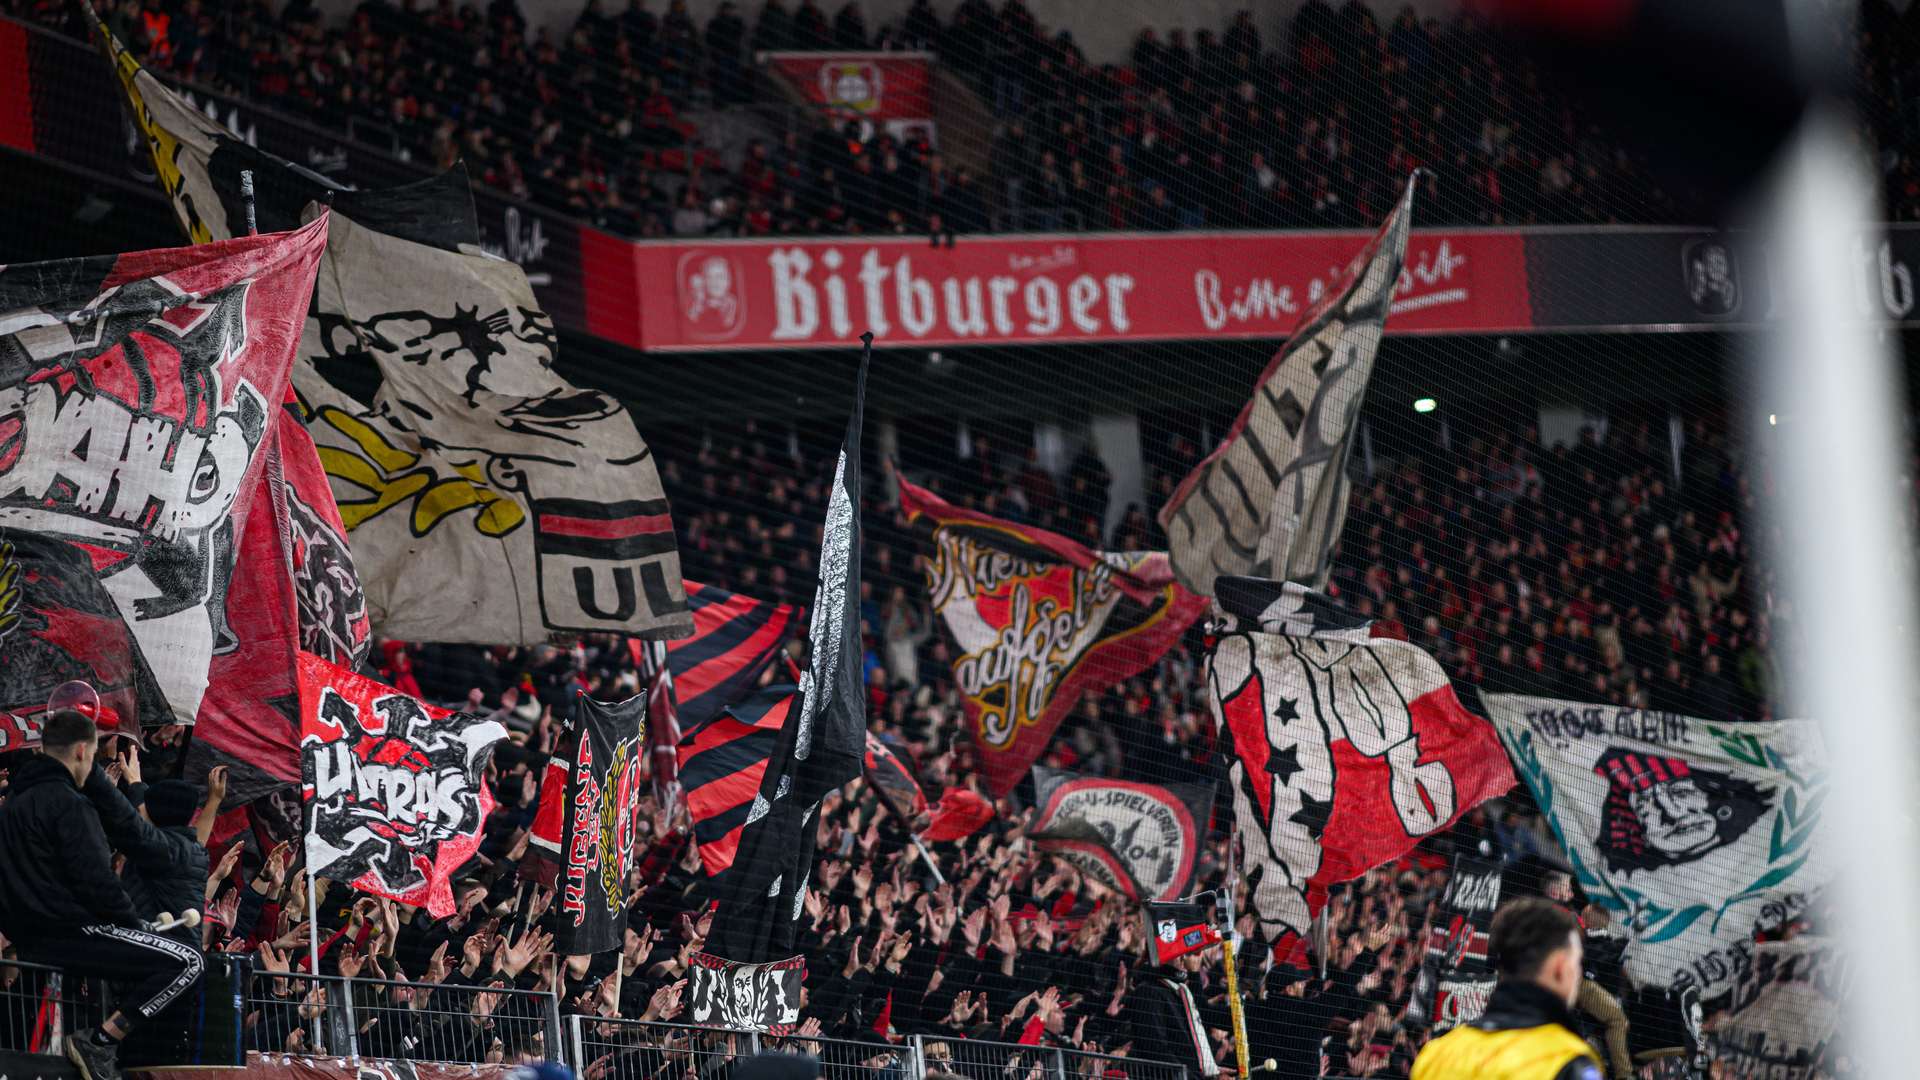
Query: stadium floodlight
1425	405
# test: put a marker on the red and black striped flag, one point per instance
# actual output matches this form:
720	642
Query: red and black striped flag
893	778
821	741
722	765
692	679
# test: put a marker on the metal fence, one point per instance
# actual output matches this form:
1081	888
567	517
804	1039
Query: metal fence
977	1059
39	1007
631	1049
293	1013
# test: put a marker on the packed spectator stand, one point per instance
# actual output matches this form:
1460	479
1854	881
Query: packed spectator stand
1600	571
1217	129
1636	594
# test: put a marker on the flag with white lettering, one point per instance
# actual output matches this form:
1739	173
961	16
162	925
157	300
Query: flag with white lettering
1142	840
489	500
137	401
1270	501
1693	833
582	840
1040	622
1349	748
395	789
820	740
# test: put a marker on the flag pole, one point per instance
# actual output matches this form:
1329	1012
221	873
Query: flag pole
313	922
927	857
246	199
1236	1009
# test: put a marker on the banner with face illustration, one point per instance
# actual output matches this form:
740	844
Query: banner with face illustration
1349	748
1040	622
394	788
488	499
745	997
583	837
1693	833
136	397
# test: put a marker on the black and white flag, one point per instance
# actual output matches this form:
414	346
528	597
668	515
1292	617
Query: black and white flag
745	997
1270	501
822	740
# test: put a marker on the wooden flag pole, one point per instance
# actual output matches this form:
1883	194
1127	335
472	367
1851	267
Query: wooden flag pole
1235	1008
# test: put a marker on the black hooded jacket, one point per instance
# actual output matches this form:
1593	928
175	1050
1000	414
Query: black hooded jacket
58	870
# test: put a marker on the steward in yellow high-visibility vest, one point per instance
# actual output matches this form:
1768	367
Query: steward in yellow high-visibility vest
1527	1031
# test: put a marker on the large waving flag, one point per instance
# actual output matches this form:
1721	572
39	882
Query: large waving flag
1694	833
137	401
1040	622
1270	501
582	840
821	741
395	788
488	499
1349	748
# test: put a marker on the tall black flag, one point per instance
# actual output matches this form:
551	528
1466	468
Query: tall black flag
822	741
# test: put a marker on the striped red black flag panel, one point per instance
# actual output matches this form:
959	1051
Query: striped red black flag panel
615	532
891	775
735	639
722	766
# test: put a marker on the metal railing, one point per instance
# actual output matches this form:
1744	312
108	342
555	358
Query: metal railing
978	1059
297	1014
845	1059
330	1016
39	1007
647	1048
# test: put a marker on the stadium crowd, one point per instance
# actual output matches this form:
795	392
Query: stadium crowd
1225	130
1578	570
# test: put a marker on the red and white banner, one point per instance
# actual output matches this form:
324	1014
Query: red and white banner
394	787
1349	748
1041	289
882	87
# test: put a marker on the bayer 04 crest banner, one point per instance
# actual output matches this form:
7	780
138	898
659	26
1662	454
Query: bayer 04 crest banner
1040	622
582	840
394	787
1695	834
137	398
1349	748
1140	839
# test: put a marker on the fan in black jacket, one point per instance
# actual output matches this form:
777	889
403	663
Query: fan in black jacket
60	902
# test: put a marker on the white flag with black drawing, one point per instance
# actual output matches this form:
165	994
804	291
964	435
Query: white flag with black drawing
487	499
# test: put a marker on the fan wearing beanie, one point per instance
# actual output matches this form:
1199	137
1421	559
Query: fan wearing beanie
166	850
